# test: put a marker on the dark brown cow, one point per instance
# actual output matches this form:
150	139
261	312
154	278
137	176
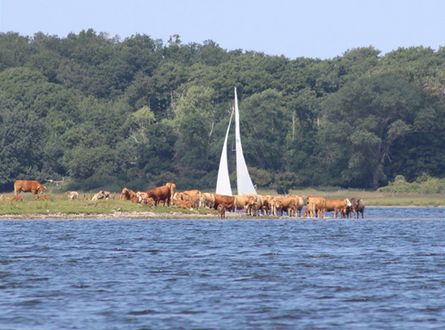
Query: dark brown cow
222	211
227	201
358	206
33	186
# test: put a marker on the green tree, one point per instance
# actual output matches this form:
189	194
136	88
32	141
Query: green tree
193	123
360	125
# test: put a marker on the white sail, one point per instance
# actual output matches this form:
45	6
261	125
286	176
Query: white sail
223	183
243	180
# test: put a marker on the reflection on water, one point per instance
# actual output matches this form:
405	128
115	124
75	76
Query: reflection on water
386	271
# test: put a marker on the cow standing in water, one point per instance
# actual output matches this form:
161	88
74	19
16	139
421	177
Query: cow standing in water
358	206
33	186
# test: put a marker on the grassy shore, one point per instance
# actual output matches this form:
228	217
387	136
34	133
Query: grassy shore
59	205
380	199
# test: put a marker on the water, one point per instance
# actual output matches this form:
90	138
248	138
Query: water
384	272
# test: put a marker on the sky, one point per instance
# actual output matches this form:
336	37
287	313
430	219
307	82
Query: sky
293	28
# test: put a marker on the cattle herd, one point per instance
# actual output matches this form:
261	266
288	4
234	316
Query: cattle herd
253	205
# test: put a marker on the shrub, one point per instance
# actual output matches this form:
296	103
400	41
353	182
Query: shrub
423	184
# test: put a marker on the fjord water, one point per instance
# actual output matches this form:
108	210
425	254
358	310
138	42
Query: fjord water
386	271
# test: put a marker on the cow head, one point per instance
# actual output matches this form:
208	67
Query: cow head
41	189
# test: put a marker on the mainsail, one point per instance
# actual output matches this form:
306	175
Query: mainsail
223	183
244	182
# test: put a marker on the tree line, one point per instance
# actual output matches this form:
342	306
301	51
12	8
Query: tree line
103	112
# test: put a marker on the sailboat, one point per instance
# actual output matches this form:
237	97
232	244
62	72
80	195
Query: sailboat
243	180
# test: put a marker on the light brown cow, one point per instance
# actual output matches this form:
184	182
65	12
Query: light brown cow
172	187
300	204
193	196
102	195
289	204
337	205
254	204
143	198
207	200
316	206
242	202
267	208
72	195
182	203
33	186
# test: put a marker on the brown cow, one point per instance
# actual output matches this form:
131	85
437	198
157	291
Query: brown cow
33	186
128	195
358	206
267	207
143	198
193	196
316	206
162	193
242	202
254	204
337	205
227	201
183	203
222	211
207	200
291	204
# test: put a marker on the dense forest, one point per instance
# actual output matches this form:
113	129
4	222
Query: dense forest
102	112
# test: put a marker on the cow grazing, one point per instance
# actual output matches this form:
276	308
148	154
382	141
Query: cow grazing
33	186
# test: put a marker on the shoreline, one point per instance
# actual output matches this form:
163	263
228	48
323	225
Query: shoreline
154	215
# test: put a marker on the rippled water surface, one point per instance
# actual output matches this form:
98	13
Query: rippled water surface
386	271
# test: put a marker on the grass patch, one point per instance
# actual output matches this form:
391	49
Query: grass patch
379	198
60	204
